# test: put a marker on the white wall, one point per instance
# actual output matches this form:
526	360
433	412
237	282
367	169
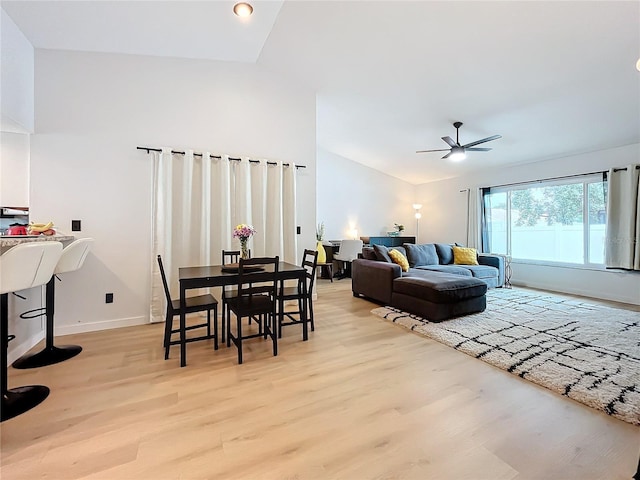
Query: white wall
444	220
16	122
92	110
351	195
16	78
14	169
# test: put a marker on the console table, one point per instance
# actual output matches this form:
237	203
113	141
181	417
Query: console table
388	241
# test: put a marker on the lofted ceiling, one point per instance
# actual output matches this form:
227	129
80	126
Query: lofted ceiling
186	29
553	78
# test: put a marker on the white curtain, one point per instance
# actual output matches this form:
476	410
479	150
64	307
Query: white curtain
198	200
473	217
623	218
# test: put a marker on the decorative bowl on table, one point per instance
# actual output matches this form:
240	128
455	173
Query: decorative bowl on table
395	233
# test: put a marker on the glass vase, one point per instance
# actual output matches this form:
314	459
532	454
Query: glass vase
244	251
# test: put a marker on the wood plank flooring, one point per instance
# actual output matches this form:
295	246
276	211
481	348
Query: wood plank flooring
362	399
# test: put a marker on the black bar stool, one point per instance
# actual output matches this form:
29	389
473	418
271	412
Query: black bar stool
24	266
72	259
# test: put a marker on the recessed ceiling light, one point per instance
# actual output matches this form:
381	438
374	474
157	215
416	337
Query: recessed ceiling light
638	65
242	9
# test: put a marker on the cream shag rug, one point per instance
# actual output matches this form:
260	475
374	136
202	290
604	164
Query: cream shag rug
590	353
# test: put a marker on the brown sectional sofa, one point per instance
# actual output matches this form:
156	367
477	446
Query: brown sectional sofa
433	288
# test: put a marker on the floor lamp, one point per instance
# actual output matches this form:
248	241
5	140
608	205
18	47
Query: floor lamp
418	215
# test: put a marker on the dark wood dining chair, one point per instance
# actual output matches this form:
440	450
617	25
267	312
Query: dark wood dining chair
305	300
201	303
231	256
256	299
228	257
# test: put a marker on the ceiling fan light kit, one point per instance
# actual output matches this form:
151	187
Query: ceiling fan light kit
458	152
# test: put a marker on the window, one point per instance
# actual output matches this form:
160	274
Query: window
549	221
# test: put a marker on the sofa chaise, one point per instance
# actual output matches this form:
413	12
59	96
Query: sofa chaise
433	287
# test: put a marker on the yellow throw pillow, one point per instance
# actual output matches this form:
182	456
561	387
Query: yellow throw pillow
400	259
465	256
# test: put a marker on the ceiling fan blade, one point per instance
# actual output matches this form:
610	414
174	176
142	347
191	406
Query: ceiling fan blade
440	150
447	155
478	142
450	141
477	149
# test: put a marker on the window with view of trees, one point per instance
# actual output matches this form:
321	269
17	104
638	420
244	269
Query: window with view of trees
555	222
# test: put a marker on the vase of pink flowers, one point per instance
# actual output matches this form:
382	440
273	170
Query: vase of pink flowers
243	232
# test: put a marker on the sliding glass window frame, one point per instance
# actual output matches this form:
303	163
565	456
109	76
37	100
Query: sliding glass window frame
588	236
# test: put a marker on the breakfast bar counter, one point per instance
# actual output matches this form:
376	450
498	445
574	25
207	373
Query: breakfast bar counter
8	241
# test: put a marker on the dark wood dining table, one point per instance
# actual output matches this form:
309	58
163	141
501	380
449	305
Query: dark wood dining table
215	276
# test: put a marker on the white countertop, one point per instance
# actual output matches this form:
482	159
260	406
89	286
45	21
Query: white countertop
13	240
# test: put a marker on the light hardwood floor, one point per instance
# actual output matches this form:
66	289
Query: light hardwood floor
362	399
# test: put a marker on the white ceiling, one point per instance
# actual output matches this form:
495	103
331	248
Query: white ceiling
553	78
188	29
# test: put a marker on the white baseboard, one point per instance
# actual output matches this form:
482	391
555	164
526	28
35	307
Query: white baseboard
597	294
24	346
97	326
92	327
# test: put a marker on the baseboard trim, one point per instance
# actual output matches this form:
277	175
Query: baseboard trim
24	346
576	291
98	326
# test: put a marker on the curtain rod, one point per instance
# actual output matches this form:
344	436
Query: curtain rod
625	169
149	149
552	178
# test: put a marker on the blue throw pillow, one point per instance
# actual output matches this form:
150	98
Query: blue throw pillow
445	252
368	253
419	255
382	253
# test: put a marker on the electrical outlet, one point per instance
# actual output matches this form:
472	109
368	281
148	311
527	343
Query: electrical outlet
76	225
108	298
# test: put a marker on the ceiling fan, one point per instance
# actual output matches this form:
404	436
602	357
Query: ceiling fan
457	151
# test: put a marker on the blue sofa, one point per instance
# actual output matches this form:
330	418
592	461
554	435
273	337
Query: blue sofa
433	287
438	257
